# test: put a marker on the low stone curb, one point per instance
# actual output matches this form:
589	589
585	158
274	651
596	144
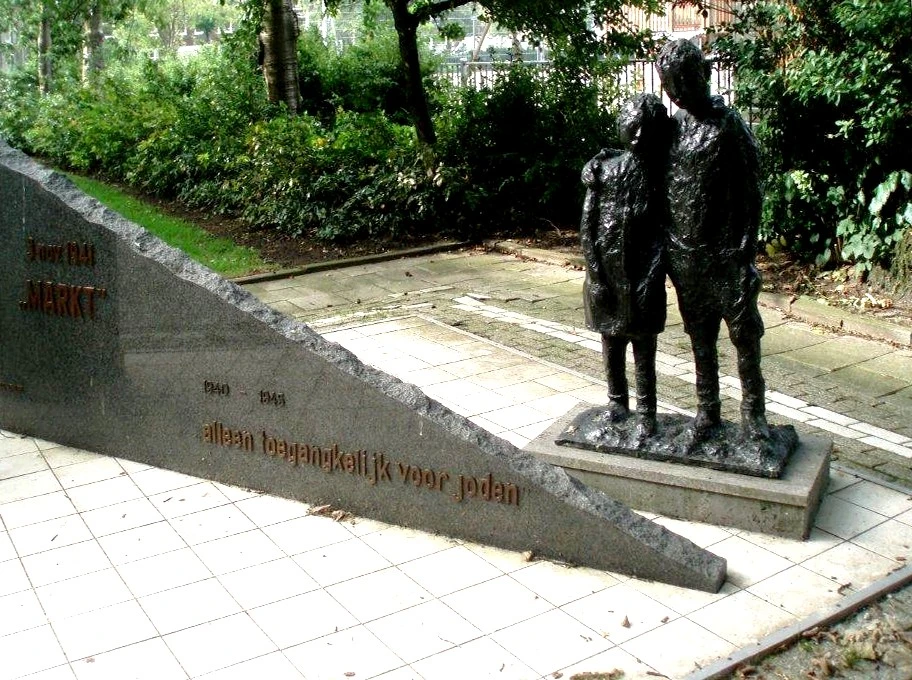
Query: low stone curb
443	246
802	308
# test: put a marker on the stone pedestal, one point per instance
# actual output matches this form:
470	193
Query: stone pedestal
783	507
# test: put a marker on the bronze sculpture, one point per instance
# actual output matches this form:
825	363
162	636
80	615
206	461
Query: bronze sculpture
714	207
683	199
621	234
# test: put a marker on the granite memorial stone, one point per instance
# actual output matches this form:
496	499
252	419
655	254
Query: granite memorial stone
114	342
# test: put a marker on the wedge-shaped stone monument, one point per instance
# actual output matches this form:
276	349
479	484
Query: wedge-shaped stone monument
112	341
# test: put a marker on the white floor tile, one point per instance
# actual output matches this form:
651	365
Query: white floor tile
506	560
799	591
236	493
424	630
514	603
148	660
273	666
850	564
219	644
742	618
560	584
615	660
13	578
340	561
63	672
267	583
157	480
188	499
21	611
748	563
236	552
94	470
891	539
18	652
190	605
681	600
107	492
404	673
35	510
349	653
54	533
699	533
678	648
7	550
283	622
121	517
131	466
399	544
378	594
791	549
142	542
306	533
60	456
27	486
209	525
844	519
481	659
14	444
619	613
551	641
449	570
104	630
83	594
265	509
163	572
23	464
59	564
877	498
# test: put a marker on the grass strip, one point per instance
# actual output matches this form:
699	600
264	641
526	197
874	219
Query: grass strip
220	254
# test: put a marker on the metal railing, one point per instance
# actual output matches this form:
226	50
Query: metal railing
637	76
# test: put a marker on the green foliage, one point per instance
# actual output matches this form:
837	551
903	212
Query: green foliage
364	77
351	168
832	82
522	144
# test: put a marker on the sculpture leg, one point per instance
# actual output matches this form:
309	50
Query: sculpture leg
614	351
703	339
644	354
753	387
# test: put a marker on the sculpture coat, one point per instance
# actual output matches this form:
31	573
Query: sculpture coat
714	198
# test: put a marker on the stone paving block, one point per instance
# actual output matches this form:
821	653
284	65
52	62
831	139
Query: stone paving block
839	352
789	337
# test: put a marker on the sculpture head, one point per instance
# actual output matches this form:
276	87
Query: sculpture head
643	123
684	73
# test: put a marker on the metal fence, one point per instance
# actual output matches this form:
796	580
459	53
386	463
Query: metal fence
637	76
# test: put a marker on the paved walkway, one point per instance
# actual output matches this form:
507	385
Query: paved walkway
110	569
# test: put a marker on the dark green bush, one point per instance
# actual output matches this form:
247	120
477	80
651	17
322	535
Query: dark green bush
522	145
832	82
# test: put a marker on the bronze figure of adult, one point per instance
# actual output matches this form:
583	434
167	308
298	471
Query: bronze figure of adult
714	202
622	234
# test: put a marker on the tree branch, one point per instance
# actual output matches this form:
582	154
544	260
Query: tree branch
426	12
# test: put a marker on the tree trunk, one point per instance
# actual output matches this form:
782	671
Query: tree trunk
92	60
407	30
44	51
279	45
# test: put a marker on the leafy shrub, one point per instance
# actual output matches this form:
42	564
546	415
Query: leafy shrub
522	144
833	83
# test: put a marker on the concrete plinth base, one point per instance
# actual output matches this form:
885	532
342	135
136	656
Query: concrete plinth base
783	507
